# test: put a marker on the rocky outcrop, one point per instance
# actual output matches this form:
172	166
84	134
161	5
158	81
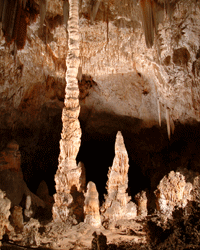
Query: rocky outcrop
172	191
5	205
117	203
91	206
17	219
68	175
11	176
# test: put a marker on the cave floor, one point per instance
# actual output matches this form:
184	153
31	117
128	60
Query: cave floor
58	236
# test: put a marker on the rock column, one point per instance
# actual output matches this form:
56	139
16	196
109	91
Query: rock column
68	176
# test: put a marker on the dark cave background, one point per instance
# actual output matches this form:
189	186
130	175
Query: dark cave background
151	154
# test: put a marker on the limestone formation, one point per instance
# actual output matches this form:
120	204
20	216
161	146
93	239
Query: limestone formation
141	199
91	206
17	219
5	205
10	157
28	212
172	191
11	176
117	203
68	183
31	236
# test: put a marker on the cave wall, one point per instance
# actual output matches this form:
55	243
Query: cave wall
123	86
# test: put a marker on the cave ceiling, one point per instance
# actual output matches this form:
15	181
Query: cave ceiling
140	58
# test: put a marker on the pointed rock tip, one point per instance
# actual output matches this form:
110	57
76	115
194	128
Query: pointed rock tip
119	142
91	186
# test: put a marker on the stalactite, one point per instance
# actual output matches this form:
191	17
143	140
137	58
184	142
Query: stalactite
94	8
1	9
42	11
107	22
8	18
147	20
17	22
168	122
66	12
22	30
172	125
159	112
24	4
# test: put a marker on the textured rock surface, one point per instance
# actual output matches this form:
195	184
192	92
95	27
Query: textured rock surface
117	203
141	199
17	219
91	206
68	175
11	176
5	205
173	191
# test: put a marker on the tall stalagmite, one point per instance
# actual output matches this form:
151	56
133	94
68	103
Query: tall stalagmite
69	198
117	204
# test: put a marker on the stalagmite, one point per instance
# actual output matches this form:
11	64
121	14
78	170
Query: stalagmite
159	112
141	199
168	122
91	206
117	203
69	199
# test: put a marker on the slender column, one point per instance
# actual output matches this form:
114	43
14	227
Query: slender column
68	176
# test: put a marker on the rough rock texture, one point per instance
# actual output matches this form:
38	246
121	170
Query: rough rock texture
17	219
31	236
10	157
91	206
99	242
141	199
68	175
5	205
176	190
117	203
173	191
11	176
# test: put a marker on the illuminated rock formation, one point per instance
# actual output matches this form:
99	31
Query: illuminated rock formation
172	191
117	203
68	183
141	199
5	205
17	219
91	206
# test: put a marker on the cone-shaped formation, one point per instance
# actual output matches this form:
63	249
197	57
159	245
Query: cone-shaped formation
68	177
117	202
91	207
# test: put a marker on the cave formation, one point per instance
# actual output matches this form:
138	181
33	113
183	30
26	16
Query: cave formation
129	66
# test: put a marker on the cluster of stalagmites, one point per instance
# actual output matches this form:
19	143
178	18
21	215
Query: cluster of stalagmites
174	191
